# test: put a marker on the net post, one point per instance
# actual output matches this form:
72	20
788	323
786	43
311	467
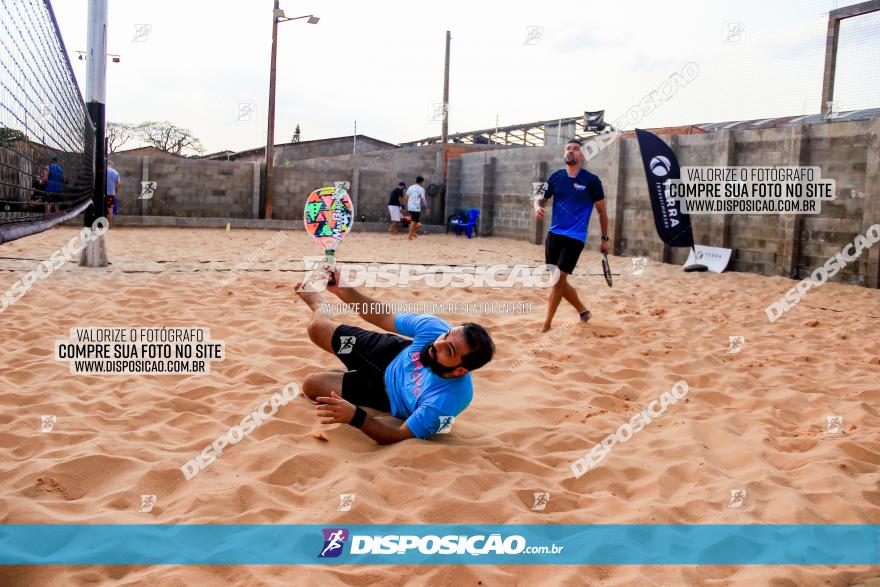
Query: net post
95	252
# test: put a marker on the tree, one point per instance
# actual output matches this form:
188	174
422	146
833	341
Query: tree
119	133
296	135
9	136
167	137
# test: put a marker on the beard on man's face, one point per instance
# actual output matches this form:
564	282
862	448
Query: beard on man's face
429	361
570	159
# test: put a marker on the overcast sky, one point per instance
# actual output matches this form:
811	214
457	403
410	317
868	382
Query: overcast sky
381	63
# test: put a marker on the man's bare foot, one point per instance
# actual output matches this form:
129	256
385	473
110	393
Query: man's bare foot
312	298
586	315
545	328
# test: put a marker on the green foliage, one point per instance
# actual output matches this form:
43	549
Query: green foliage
9	136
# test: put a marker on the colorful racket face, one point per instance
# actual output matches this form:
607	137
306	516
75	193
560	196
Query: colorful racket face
606	269
328	216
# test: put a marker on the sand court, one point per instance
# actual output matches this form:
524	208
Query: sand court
753	422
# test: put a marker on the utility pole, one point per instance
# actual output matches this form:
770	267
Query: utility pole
270	133
446	92
277	16
445	124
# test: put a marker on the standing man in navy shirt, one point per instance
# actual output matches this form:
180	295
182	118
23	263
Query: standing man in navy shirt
575	191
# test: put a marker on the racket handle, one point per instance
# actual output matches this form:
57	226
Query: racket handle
331	276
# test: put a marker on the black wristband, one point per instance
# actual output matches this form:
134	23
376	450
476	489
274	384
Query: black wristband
358	419
605	238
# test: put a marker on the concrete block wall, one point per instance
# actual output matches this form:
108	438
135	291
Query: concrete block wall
231	189
843	154
638	237
789	245
470	186
291	186
372	175
514	172
498	182
510	185
755	238
186	187
130	171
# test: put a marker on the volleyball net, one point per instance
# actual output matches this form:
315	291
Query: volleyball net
47	139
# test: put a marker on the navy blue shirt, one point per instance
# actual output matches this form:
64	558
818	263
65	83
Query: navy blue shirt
573	202
56	176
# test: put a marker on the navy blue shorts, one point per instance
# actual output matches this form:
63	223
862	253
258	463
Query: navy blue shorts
366	355
562	251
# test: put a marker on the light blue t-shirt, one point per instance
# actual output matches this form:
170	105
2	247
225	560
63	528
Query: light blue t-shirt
417	395
112	178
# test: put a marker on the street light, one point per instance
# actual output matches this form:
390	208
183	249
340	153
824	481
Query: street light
277	16
81	55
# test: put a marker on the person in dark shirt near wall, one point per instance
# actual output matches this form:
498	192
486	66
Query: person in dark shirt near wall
395	202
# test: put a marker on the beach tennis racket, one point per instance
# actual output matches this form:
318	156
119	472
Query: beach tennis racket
328	216
606	269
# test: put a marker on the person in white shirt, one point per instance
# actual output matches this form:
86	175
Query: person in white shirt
415	199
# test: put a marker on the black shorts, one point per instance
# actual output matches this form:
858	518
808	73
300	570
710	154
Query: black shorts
366	355
562	251
415	216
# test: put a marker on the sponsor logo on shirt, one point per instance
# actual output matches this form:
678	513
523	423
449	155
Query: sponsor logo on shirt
416	376
346	345
578	186
445	424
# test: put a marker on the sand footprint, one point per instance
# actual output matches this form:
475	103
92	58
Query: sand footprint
604	331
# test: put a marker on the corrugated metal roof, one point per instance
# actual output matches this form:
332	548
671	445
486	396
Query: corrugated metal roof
262	149
849	116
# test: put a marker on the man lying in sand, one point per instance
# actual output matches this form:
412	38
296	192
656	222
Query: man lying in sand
425	381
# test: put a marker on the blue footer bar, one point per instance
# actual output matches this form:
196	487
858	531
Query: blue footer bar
562	544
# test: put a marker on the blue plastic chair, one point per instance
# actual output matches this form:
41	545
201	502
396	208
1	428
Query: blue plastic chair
453	219
471	224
